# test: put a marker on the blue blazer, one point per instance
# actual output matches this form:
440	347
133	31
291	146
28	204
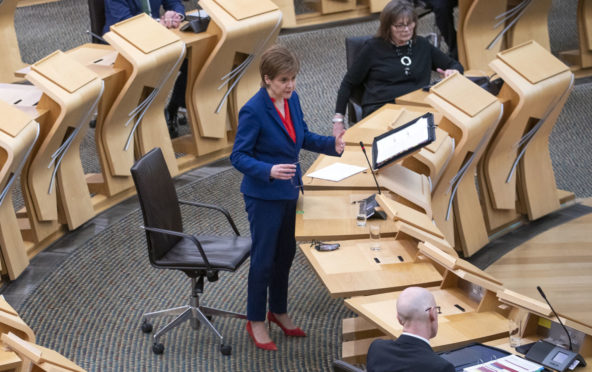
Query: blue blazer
262	141
118	10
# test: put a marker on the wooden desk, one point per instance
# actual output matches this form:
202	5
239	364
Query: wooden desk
330	215
11	55
352	270
415	98
429	161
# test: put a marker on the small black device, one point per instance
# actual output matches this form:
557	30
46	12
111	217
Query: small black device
325	247
553	356
371	203
196	24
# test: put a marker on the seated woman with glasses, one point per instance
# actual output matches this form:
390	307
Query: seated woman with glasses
394	62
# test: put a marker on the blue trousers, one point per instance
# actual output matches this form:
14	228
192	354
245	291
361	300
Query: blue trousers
272	252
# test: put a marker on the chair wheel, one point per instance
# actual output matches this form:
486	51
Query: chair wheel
157	348
146	327
225	349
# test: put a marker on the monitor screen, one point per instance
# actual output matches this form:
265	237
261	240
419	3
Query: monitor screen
397	143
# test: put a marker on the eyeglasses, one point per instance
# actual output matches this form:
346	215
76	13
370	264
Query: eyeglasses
434	307
402	26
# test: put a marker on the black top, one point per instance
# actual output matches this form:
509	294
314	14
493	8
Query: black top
380	68
405	354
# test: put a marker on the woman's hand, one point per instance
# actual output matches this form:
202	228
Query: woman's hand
445	73
283	171
171	19
339	142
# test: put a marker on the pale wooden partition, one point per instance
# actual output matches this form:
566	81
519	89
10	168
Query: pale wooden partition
580	59
53	181
42	359
11	322
18	134
455	200
151	56
230	75
471	311
9	48
488	27
516	168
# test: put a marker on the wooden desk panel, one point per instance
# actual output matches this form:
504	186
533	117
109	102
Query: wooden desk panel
330	215
352	270
455	326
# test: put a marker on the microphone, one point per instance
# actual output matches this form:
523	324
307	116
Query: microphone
558	318
369	165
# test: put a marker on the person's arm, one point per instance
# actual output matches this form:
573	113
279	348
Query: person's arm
243	152
117	11
174	13
355	75
443	64
174	5
328	145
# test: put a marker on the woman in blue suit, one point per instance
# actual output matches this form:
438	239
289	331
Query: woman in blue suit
270	134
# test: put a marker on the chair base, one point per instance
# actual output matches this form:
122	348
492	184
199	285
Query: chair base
196	315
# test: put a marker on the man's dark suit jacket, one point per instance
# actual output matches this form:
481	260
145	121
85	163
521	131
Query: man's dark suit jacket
405	354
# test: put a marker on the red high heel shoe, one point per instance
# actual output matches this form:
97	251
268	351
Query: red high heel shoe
294	332
265	346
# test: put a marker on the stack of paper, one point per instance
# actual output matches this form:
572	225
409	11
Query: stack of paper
336	172
510	363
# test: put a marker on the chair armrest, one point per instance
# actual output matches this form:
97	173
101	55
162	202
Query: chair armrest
212	206
182	235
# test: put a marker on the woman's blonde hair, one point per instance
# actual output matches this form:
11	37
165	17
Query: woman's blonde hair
276	60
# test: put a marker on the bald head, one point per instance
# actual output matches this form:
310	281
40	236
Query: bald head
412	314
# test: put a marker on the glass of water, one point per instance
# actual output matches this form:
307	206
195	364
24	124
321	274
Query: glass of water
361	215
374	236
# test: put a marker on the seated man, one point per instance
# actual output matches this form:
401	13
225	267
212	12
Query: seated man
418	314
119	10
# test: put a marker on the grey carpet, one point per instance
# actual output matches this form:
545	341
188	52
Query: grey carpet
89	308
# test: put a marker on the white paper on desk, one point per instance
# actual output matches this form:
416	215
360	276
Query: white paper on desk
337	172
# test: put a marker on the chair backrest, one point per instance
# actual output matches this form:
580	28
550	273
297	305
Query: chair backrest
353	45
341	366
96	9
158	200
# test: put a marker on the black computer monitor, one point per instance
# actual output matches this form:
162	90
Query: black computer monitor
403	140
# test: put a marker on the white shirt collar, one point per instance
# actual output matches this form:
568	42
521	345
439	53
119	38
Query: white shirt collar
416	336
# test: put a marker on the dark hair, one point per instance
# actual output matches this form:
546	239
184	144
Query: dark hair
276	60
393	11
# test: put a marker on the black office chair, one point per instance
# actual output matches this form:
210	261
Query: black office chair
96	10
198	256
341	366
353	45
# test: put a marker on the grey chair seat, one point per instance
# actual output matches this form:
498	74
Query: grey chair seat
223	253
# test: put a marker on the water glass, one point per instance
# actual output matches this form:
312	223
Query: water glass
515	328
361	213
374	237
